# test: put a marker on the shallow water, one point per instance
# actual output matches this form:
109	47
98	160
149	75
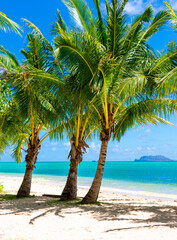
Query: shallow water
159	177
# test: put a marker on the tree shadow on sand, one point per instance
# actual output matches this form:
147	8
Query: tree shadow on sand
139	214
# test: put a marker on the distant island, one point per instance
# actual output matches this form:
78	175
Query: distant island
157	158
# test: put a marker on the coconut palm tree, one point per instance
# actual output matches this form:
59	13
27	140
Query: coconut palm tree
114	57
127	107
79	122
30	108
80	119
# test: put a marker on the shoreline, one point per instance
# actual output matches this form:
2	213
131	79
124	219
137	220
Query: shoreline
7	179
125	178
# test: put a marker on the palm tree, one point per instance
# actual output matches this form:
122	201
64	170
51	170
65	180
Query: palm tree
30	108
78	121
114	58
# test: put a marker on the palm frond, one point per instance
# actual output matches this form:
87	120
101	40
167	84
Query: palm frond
6	24
32	27
101	28
12	57
17	150
82	15
172	14
58	24
151	111
116	25
159	21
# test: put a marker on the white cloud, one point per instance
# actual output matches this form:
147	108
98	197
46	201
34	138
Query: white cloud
139	148
151	149
141	136
127	149
148	148
132	153
94	147
116	145
148	130
103	8
67	144
54	149
54	143
116	148
173	4
134	7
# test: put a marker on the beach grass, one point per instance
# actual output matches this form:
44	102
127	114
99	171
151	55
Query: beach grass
7	197
68	203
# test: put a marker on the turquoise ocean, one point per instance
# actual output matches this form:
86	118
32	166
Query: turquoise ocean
158	177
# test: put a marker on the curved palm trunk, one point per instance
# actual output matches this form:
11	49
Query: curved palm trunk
93	192
70	189
30	159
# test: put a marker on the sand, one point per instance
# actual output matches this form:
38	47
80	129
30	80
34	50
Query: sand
118	216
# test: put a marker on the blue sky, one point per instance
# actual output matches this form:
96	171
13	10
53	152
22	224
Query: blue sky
148	140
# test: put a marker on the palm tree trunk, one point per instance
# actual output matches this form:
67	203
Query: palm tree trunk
92	195
76	156
25	187
70	189
30	159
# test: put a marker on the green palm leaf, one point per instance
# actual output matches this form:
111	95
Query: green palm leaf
81	15
6	24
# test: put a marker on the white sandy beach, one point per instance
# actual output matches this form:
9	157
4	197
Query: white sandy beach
117	217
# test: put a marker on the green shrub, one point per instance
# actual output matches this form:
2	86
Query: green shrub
1	188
